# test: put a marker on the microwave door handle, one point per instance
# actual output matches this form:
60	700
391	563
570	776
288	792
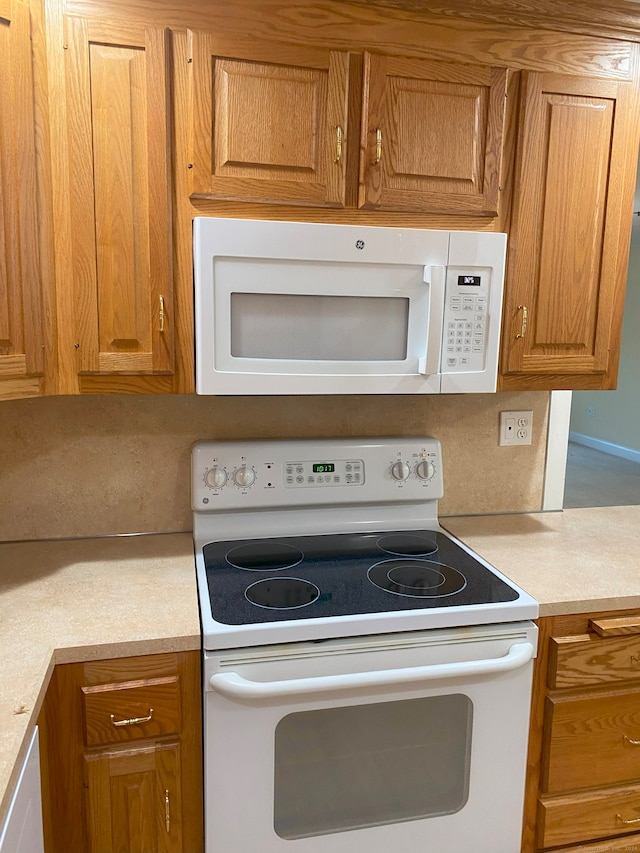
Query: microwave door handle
235	687
434	277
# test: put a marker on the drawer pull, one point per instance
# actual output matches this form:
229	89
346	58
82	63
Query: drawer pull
134	721
630	740
626	822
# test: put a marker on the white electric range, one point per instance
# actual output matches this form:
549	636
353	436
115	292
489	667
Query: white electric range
352	647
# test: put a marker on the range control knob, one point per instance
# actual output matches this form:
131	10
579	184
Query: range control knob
244	476
400	470
425	470
215	477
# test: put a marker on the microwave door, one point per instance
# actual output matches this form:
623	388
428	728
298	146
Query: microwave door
429	364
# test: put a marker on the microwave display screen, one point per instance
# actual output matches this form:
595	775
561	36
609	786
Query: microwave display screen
323	467
473	280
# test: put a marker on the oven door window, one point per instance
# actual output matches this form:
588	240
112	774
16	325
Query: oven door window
352	767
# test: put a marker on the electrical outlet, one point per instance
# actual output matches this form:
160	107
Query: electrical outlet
515	428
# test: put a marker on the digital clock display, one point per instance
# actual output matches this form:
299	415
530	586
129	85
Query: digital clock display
473	280
323	467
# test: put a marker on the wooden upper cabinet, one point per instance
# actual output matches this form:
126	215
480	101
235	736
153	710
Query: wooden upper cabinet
569	240
269	123
21	334
119	174
432	136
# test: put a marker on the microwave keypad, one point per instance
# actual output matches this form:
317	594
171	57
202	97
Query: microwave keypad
465	322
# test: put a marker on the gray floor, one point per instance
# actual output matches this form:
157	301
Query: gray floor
599	479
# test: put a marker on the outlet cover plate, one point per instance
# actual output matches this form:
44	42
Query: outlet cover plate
516	428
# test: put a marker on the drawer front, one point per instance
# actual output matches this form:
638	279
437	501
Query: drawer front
131	710
594	741
588	659
626	844
587	817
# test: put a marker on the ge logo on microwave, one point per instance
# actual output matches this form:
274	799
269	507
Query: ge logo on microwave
359	244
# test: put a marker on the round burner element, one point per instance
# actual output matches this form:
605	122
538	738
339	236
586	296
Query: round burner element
264	556
407	545
416	578
282	593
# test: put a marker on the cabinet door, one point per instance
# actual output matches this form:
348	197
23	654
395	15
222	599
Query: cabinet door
134	800
21	339
269	124
432	136
568	243
117	102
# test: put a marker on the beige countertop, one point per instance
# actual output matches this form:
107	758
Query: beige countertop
74	600
574	561
63	601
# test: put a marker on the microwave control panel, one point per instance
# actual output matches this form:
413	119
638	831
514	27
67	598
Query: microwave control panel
257	474
464	340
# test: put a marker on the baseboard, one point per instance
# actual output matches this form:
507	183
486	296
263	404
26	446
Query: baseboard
605	446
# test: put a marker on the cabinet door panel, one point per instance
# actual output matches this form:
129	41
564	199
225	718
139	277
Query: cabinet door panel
120	182
21	339
432	135
565	264
134	800
269	125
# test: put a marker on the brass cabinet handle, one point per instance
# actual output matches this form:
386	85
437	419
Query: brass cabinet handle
523	328
167	814
378	146
134	721
161	315
630	740
339	136
631	820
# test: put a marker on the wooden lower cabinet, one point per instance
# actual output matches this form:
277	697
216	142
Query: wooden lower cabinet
583	787
121	744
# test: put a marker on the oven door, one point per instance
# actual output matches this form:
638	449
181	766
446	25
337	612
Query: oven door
411	741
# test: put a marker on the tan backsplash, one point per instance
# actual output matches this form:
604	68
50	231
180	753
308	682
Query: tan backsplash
99	465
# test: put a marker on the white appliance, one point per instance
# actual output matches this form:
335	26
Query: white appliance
22	830
308	308
367	677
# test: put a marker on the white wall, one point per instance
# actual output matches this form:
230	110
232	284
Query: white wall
616	414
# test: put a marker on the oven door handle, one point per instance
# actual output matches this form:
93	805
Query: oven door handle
234	686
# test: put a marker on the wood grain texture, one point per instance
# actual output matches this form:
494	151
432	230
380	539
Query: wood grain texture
6	13
158	698
592	740
620	18
117	84
367	26
616	625
21	317
126	792
587	715
113	798
438	129
588	816
266	122
611	845
587	659
565	258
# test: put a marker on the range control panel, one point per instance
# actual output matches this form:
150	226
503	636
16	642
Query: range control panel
229	475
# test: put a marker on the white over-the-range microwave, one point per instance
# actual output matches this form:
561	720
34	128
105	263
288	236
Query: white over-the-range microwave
309	308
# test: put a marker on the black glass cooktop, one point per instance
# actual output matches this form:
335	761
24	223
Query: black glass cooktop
306	577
